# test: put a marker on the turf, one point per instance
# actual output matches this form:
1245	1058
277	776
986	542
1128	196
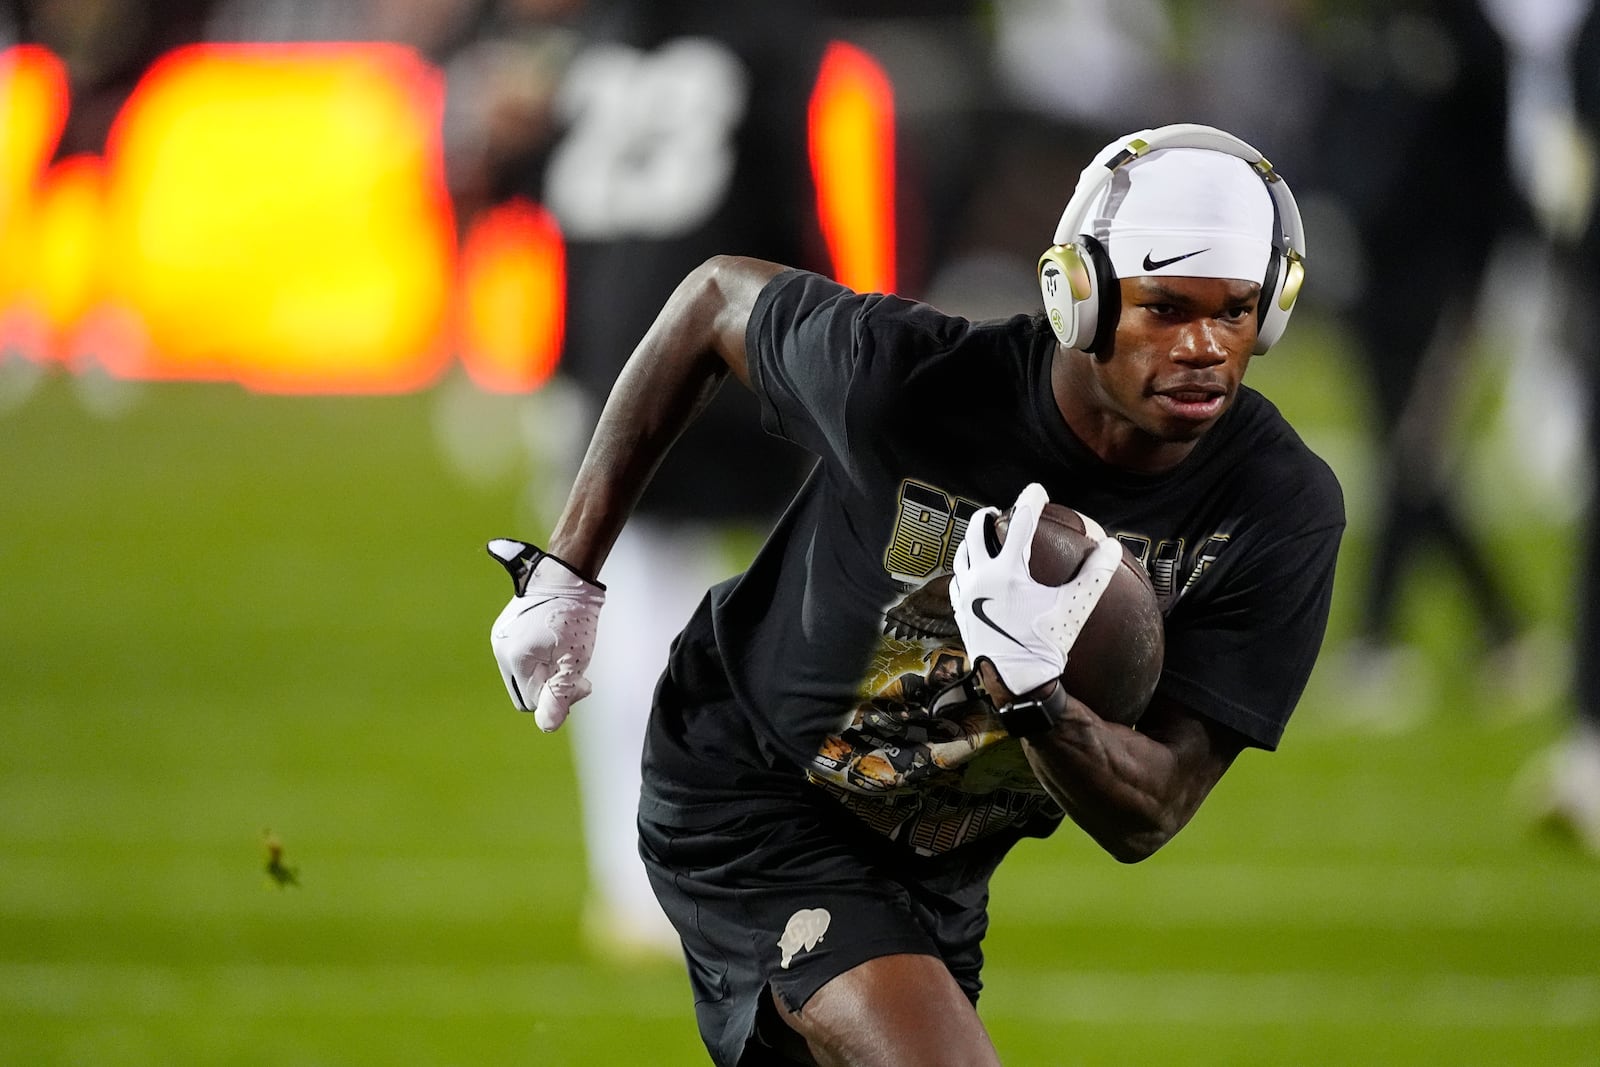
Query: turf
223	614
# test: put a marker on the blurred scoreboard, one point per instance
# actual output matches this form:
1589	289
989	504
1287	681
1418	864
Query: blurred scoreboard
277	215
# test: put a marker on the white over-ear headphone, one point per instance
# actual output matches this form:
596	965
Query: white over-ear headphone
1076	277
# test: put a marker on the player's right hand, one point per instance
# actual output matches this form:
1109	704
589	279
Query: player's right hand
545	635
1025	629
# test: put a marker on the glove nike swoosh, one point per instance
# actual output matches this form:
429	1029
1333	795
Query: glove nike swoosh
501	627
530	607
977	609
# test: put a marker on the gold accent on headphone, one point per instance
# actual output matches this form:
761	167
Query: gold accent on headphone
1263	167
1293	279
1073	268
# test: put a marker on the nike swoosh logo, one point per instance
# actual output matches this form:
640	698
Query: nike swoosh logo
530	607
977	609
1157	264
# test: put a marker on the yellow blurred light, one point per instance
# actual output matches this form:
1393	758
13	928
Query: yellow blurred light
33	109
70	218
852	157
513	282
278	215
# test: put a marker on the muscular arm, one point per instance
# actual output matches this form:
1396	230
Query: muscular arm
1130	790
695	343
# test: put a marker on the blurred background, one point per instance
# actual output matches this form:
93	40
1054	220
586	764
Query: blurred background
302	302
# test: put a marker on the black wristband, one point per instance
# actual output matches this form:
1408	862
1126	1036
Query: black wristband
1032	716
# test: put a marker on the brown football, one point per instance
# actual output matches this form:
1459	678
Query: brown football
1115	663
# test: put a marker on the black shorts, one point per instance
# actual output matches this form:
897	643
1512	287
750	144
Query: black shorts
772	883
788	898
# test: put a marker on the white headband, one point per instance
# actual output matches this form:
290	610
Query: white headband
1188	212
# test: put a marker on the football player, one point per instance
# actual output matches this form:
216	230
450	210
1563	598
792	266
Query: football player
825	926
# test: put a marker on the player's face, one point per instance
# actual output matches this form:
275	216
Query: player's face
1180	351
946	669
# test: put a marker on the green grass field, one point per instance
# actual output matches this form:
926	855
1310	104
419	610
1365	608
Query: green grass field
223	614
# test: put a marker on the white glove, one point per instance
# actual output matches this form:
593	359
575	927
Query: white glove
1023	628
544	637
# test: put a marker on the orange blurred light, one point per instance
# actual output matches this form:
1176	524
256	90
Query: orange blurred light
513	279
33	110
852	156
278	215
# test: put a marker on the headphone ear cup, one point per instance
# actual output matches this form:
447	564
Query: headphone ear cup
1081	298
1279	291
1106	298
1067	285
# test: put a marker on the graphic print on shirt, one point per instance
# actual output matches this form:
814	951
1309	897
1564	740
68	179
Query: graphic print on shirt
922	757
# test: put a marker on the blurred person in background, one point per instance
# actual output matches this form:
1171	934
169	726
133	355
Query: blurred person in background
286	21
657	132
1067	76
1412	141
502	83
106	46
1562	785
1060	80
433	27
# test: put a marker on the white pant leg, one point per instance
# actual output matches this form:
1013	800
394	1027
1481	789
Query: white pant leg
654	577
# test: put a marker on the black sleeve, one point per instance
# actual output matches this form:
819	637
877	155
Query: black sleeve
804	344
829	365
1244	634
1243	656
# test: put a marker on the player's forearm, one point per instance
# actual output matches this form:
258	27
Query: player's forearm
645	413
668	379
623	455
695	343
1130	790
1119	786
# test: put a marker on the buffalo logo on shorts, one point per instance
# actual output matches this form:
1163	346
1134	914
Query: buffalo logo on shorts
805	929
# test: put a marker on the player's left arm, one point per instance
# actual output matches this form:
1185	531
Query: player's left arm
1130	790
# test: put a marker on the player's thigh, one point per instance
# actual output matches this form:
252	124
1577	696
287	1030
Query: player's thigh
783	901
893	1011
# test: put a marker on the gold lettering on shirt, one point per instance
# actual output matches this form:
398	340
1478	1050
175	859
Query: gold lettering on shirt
929	525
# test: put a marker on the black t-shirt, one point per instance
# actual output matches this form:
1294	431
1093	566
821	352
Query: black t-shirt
834	640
